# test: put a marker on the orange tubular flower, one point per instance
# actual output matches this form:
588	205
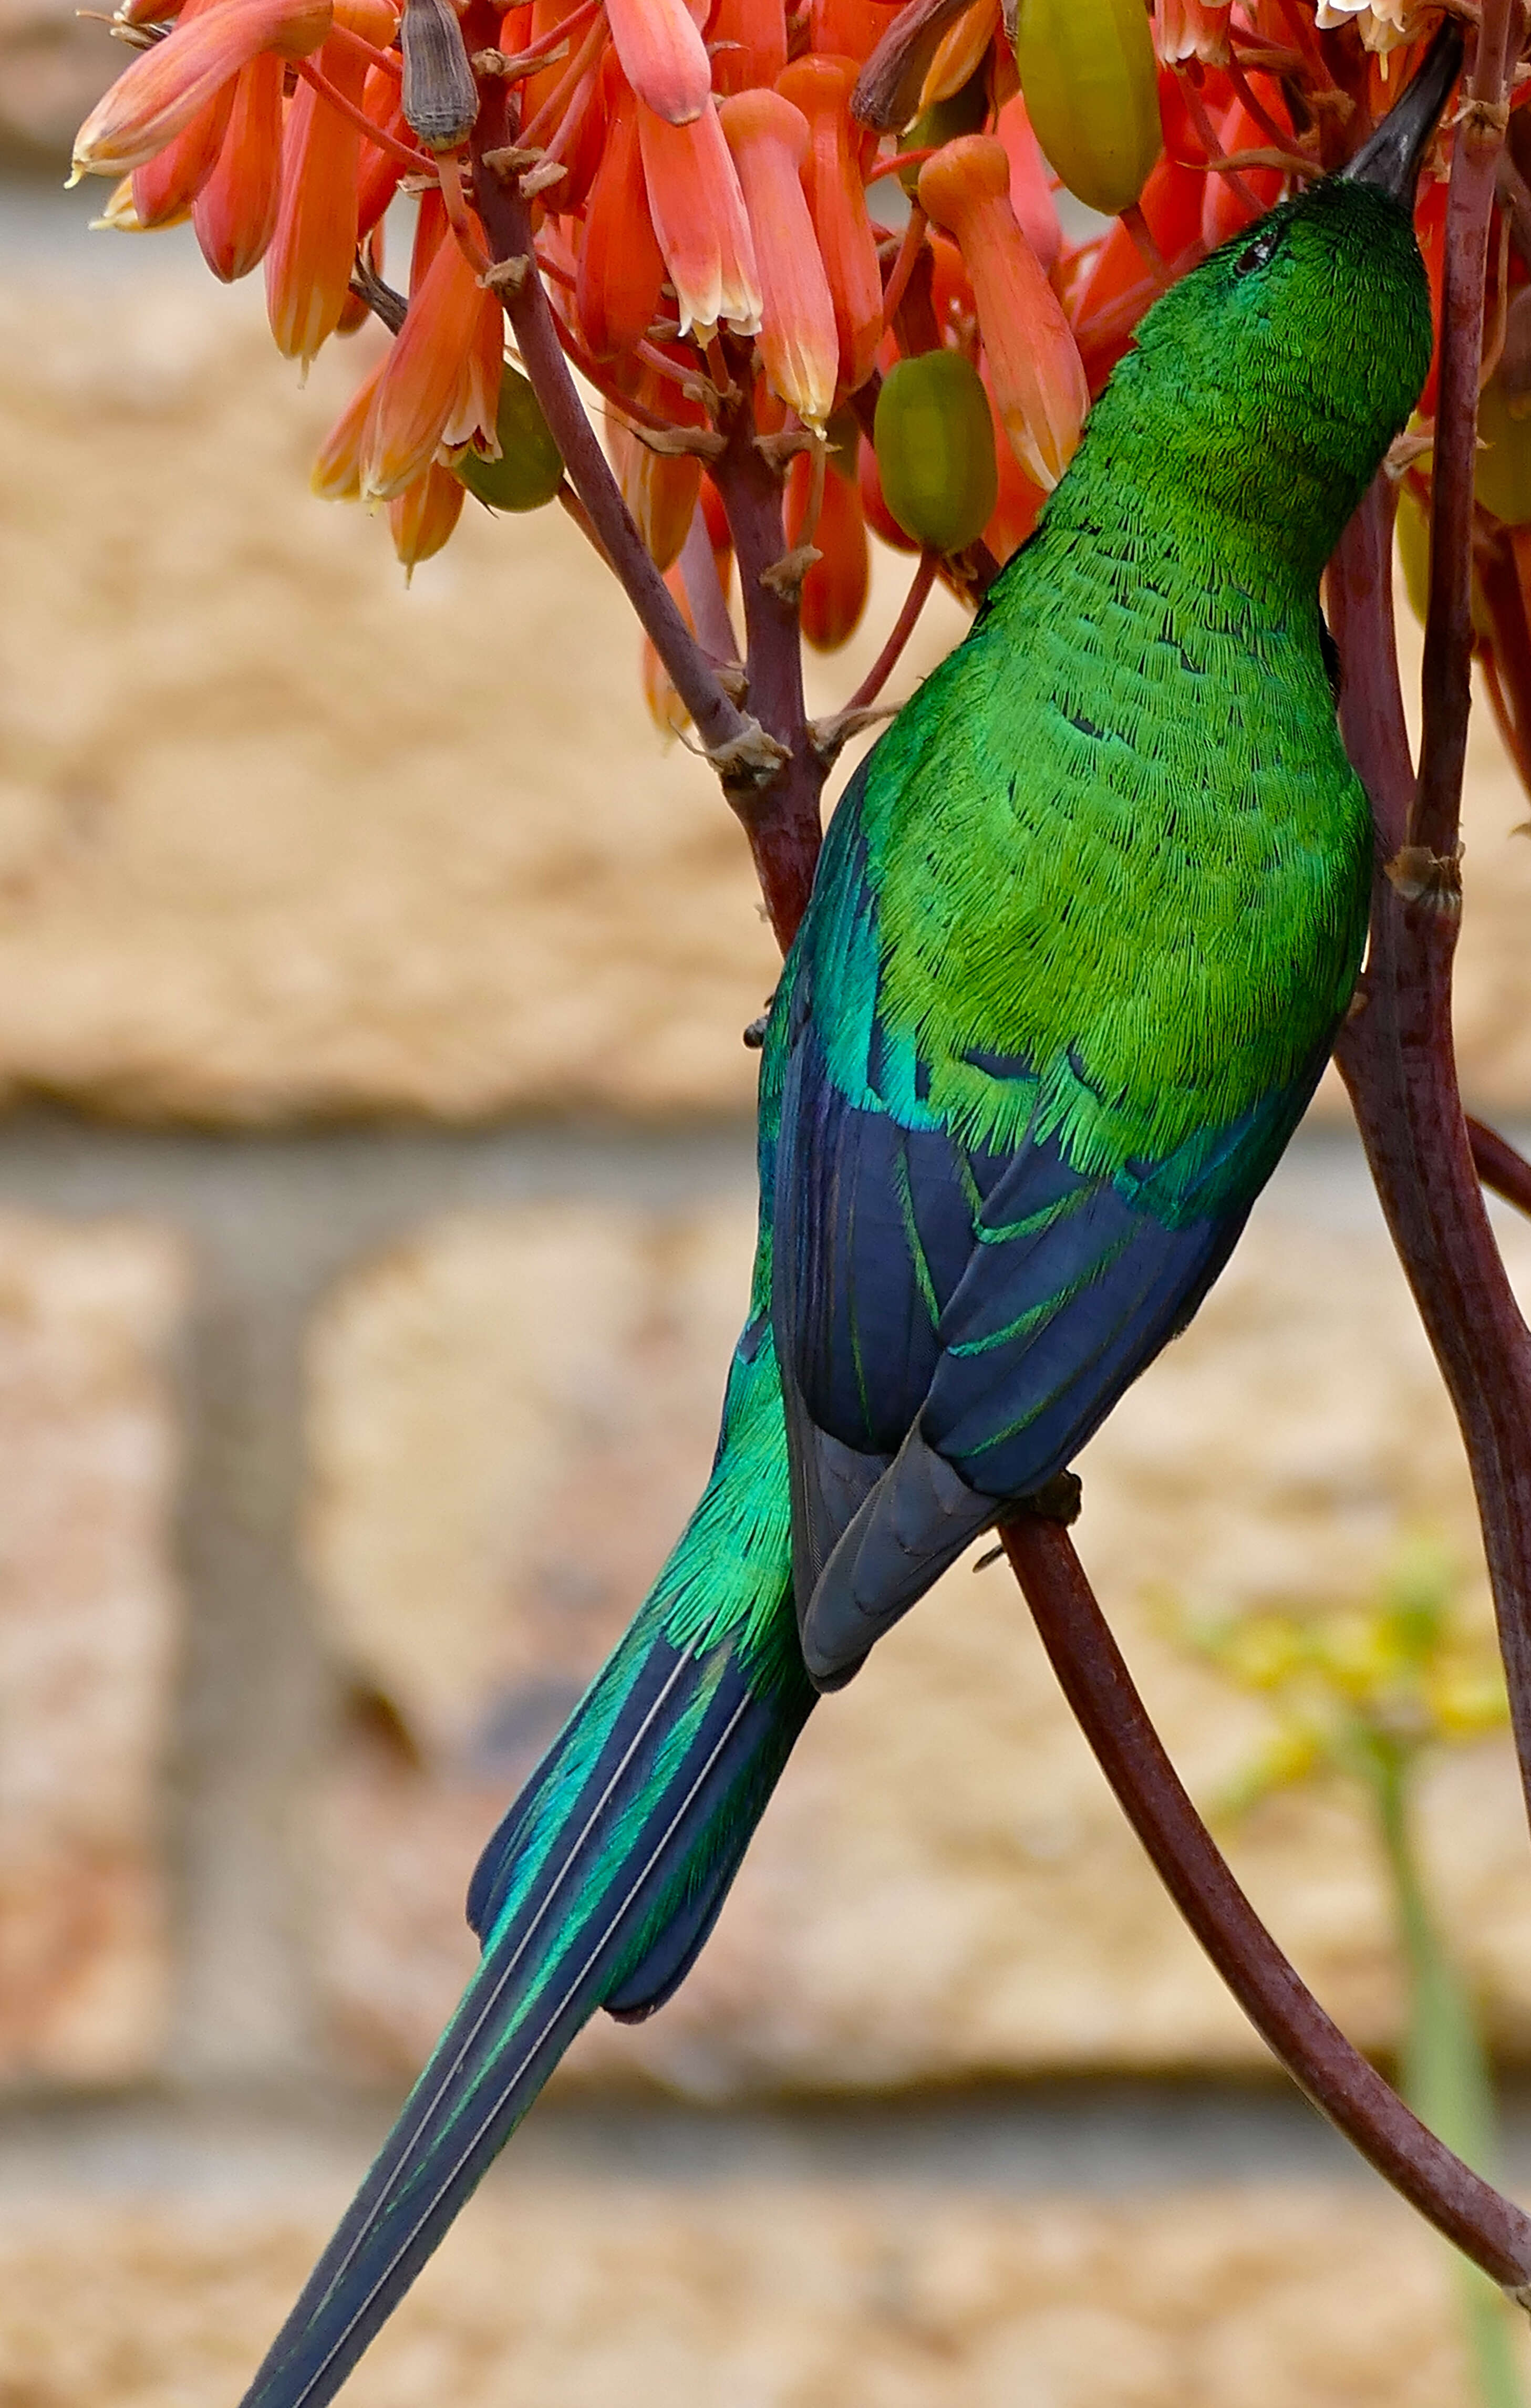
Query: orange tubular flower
234	213
699	218
621	269
663	56
848	29
421	519
1225	209
307	267
835	589
432	388
1019	500
660	492
822	88
164	192
1031	188
961	53
378	170
1039	379
799	345
158	96
337	473
747	39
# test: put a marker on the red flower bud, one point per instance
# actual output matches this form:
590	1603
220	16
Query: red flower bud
621	267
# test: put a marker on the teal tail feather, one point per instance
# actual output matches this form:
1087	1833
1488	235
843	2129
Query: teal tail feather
601	1885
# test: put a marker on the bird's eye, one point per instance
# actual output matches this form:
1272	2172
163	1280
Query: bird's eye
1261	251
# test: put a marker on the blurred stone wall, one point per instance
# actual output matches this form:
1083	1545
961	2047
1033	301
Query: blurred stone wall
374	1221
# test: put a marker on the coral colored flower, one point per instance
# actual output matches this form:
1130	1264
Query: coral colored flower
699	218
163	190
158	94
661	491
308	263
434	378
748	40
421	519
1193	29
822	88
848	29
1033	361
1031	187
337	473
234	213
621	265
1019	500
961	51
378	170
799	346
835	589
663	56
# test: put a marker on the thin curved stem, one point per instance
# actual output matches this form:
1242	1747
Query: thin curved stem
1446	686
1499	1166
1487	2226
903	628
732	741
1396	1057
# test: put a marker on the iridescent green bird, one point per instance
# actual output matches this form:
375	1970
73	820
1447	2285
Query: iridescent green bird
1083	929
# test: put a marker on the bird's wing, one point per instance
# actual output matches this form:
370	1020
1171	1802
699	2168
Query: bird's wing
953	1321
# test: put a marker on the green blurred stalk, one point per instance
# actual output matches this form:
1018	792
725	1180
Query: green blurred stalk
1445	2068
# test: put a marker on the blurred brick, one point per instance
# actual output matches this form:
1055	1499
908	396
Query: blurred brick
88	1643
571	2292
53	68
509	1420
278	838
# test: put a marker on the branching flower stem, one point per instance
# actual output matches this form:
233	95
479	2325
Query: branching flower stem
1395	1053
1487	2226
752	763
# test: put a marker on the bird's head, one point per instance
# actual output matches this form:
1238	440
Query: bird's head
1273	378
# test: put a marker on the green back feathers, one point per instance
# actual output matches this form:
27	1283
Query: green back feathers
1116	834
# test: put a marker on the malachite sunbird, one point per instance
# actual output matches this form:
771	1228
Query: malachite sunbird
1084	926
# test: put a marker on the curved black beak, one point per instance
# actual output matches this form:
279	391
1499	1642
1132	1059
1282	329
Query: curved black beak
1391	159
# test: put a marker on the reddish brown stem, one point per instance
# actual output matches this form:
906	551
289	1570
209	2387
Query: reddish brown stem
727	735
1095	1681
903	628
1396	1057
1446	682
420	163
781	820
1499	1164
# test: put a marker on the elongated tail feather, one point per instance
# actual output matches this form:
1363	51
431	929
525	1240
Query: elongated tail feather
600	1885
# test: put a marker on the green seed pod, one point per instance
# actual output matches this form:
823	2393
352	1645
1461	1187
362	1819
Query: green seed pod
1502	477
530	469
1091	92
961	112
935	443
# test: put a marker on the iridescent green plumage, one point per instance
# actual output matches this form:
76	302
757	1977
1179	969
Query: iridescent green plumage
1081	934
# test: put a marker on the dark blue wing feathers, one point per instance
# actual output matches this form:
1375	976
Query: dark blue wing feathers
955	1322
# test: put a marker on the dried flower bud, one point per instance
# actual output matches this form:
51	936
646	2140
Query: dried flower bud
440	98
